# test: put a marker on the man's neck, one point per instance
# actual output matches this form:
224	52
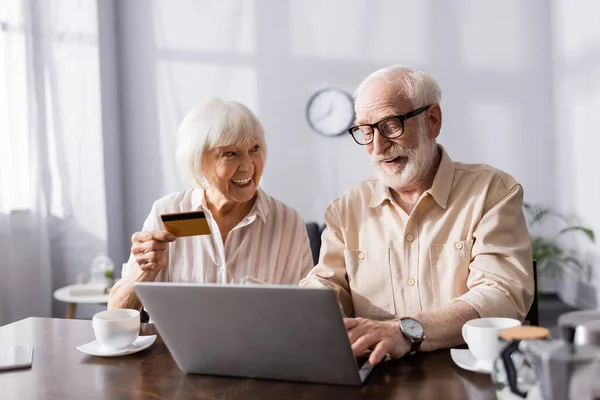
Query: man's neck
408	196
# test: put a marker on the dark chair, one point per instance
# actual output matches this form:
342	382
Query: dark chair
314	237
144	317
533	315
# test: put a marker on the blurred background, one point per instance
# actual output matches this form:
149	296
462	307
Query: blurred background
92	92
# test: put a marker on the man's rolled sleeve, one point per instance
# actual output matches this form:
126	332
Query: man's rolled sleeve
331	269
500	280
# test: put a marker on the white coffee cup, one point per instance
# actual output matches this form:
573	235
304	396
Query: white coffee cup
481	335
116	329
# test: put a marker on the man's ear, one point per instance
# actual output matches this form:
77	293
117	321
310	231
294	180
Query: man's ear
433	121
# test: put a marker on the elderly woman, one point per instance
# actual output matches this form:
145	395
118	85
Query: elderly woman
221	149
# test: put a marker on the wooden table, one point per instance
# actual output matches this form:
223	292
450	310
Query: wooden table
60	371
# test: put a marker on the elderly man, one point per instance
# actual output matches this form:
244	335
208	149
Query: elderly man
429	243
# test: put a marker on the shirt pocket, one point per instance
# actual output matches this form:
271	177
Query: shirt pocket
449	269
369	278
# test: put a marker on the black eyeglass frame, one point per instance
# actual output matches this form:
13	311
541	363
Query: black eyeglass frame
401	118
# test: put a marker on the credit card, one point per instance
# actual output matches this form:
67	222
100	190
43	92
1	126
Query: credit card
182	224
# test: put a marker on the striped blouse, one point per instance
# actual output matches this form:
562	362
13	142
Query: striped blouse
270	245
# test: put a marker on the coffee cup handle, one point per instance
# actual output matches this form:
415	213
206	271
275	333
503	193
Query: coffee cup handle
464	333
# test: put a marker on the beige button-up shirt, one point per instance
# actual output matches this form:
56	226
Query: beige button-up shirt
466	239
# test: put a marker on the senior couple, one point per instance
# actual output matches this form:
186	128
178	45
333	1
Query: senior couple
413	253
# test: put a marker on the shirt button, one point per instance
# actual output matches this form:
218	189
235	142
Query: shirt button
410	282
410	237
458	246
361	256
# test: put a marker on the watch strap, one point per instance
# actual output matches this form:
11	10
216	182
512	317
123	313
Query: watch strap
414	346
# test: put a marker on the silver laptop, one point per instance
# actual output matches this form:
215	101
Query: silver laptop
257	331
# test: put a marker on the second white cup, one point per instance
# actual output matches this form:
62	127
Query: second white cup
481	335
116	329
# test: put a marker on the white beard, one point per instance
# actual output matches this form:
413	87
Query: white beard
418	161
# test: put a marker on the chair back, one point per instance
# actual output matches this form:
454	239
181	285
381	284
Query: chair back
532	317
314	237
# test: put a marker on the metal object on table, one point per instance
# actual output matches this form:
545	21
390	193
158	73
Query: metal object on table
586	324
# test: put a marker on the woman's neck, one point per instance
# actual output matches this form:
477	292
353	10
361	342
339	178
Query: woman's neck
226	212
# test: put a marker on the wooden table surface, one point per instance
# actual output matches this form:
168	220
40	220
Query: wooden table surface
60	371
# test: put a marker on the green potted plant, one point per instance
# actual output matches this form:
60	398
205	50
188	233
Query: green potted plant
553	258
109	275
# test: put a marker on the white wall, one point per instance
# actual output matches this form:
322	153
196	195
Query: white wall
492	60
576	62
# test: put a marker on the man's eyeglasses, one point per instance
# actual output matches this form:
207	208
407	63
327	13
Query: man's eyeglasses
390	127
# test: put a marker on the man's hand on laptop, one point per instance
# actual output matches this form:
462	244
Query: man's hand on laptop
383	337
150	249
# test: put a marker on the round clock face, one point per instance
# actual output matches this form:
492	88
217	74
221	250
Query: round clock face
330	111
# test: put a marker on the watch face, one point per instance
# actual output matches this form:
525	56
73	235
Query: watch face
412	328
330	111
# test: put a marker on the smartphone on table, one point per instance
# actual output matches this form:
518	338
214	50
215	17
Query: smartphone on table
16	357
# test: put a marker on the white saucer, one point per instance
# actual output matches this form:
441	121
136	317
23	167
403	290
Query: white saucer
464	359
93	348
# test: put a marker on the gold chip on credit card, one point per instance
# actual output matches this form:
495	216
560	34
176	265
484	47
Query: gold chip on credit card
186	223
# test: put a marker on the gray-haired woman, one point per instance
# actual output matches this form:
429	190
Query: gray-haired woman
221	149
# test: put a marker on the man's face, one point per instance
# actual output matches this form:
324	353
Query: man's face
398	162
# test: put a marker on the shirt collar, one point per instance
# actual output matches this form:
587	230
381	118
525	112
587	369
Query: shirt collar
381	193
440	189
442	182
260	208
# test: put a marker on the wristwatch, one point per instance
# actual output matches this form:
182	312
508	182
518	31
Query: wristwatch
413	331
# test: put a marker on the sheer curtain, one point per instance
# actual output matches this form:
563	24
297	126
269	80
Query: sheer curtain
52	203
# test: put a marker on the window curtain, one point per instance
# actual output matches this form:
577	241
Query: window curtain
52	202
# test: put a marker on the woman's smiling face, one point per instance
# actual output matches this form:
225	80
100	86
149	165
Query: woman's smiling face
235	171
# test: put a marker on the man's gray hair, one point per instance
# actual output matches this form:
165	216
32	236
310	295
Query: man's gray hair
415	85
215	123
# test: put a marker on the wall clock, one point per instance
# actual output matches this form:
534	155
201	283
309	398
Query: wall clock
330	111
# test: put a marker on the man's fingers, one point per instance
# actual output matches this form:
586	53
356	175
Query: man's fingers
358	327
379	352
353	336
371	335
350	323
357	332
363	343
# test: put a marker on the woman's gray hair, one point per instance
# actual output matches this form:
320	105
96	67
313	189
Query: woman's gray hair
417	86
215	123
